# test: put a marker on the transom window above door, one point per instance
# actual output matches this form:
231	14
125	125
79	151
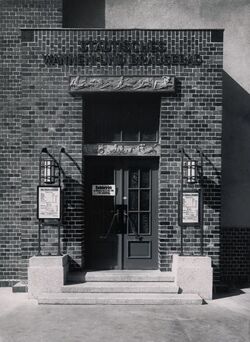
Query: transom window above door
121	118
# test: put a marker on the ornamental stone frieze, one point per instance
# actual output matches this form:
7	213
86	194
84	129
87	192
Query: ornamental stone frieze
141	149
82	84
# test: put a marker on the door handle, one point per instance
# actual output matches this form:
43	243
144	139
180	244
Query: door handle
110	226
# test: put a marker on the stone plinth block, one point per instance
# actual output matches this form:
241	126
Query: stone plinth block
194	274
46	274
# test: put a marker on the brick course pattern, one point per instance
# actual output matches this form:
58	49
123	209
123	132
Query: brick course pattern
13	16
235	255
38	112
190	118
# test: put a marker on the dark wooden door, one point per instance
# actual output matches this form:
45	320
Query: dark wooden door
122	229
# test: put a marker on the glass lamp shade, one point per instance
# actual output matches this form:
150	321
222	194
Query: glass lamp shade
191	171
48	169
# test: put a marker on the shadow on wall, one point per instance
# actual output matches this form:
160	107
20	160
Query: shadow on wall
235	234
211	198
211	187
235	155
72	215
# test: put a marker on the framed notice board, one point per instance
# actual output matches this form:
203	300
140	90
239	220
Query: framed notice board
49	202
190	207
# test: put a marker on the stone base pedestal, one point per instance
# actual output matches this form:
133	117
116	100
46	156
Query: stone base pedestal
194	274
46	274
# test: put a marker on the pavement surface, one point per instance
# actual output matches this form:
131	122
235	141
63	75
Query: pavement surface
226	318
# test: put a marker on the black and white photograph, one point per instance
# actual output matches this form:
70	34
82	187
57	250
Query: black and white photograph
124	170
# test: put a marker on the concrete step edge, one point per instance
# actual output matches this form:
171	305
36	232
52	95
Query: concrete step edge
118	299
122	276
120	290
121	287
129	278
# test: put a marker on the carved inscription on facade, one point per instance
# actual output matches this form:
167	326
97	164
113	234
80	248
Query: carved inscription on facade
79	84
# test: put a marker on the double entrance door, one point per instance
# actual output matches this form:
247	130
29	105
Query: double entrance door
121	207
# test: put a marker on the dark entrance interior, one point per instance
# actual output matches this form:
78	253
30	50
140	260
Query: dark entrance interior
121	118
122	227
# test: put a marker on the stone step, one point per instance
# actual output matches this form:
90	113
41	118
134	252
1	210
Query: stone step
122	276
121	287
119	299
19	287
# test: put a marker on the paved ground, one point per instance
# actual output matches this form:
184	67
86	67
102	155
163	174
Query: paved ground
224	319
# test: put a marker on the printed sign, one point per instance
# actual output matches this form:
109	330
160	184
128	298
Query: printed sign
49	202
190	207
103	190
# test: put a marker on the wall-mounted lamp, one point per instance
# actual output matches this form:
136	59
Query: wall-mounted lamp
49	173
191	171
48	170
190	168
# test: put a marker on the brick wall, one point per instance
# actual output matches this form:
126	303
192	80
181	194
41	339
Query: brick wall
191	118
38	112
13	15
235	255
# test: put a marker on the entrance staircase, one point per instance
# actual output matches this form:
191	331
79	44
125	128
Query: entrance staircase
120	287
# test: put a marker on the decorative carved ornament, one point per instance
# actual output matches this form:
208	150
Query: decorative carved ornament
122	149
82	84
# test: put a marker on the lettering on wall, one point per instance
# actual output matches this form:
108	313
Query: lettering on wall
122	53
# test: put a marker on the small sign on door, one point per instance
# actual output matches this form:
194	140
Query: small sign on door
103	190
